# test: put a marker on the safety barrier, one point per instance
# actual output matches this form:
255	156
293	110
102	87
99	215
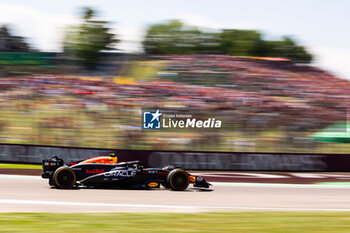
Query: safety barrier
201	160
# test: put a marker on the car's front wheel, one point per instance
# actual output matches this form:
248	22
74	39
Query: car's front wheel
165	185
64	178
178	180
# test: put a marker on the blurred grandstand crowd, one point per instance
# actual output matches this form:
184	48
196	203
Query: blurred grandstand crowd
264	104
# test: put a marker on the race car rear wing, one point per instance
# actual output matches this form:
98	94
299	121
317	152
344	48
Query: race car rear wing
50	166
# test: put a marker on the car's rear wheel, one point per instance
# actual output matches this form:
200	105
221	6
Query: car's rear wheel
64	178
178	180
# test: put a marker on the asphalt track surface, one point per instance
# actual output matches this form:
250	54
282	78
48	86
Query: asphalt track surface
32	194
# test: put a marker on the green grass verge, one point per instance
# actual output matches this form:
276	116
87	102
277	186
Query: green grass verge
19	166
242	222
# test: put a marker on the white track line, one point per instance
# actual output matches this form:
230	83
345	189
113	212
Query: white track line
89	204
21	177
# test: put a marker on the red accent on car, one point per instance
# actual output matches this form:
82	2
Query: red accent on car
163	172
94	171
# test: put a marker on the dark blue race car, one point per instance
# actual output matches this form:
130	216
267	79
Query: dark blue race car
105	172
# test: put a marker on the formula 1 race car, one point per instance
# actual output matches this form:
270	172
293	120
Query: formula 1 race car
105	172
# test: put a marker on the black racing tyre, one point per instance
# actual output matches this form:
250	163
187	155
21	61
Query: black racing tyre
165	185
64	178
178	180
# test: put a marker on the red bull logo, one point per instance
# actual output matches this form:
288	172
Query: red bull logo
94	171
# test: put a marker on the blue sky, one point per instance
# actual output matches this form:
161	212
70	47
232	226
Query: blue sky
323	26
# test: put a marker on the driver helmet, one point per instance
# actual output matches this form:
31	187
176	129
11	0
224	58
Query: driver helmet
113	157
